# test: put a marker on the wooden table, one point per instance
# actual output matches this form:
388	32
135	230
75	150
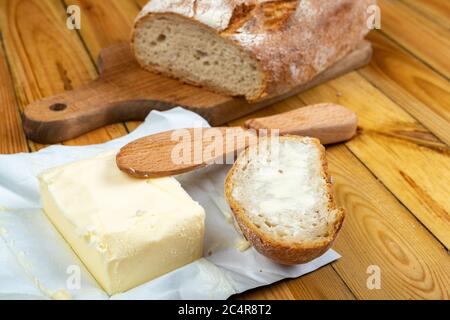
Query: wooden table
393	179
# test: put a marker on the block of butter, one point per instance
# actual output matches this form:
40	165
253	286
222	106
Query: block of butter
126	231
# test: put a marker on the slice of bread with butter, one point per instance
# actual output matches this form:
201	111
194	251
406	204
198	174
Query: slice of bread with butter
280	193
126	231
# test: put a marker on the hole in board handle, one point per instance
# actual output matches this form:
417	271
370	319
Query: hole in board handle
58	107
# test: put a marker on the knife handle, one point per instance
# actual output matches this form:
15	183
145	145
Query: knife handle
330	123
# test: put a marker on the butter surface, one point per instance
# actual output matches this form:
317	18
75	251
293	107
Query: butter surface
126	231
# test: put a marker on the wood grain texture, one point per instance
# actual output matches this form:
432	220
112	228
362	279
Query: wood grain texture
105	23
409	83
12	137
380	231
421	36
321	284
435	10
396	148
45	56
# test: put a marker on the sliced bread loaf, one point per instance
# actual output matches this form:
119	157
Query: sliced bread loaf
280	194
251	48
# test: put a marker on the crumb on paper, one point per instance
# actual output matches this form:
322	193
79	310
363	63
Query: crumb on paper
243	245
226	212
216	246
229	219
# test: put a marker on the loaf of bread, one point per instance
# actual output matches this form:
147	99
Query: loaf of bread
281	197
251	48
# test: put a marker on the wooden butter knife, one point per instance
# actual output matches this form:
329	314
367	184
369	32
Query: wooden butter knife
180	151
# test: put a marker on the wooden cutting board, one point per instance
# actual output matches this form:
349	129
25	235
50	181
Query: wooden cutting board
125	92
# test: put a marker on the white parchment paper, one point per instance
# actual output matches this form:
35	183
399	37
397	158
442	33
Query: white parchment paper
36	262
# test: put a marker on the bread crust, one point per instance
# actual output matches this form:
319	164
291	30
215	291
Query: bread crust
292	40
284	251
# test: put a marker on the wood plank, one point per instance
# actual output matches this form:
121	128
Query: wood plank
46	57
132	125
378	231
424	38
434	10
12	138
104	24
322	284
397	149
416	88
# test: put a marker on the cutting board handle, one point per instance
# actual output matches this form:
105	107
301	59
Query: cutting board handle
73	113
